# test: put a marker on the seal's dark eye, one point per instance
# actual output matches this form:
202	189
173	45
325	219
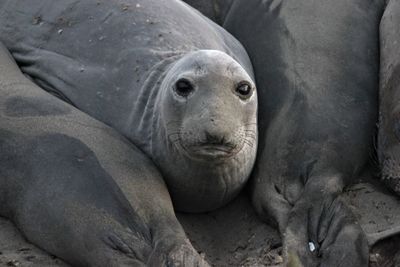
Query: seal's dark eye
244	90
183	87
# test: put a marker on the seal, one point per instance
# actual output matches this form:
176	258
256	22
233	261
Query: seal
77	188
389	120
187	102
143	85
316	67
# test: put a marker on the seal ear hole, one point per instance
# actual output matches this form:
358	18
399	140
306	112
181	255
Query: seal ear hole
244	90
183	87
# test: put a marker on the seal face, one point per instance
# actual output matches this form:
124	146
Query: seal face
206	136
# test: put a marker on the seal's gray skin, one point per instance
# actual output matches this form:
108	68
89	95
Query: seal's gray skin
389	117
120	62
217	10
77	188
212	116
316	66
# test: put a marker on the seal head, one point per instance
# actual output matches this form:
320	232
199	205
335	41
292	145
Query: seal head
205	131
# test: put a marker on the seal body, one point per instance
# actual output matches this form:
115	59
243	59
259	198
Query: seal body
141	97
389	95
77	188
316	66
110	59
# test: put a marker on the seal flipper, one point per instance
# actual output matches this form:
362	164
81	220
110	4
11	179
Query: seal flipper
321	219
68	203
77	188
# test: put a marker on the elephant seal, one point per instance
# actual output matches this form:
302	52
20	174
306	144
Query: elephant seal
389	95
77	188
82	190
316	67
176	84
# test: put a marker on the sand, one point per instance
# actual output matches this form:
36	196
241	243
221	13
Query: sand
230	236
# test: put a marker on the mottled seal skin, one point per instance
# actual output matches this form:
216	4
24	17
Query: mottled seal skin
389	97
120	62
172	83
316	66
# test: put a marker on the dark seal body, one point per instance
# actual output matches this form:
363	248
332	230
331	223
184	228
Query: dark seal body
109	59
316	66
389	94
156	75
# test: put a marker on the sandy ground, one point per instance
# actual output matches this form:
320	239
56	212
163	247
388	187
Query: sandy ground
231	236
15	251
234	236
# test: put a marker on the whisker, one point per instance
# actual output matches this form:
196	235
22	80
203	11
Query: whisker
170	137
171	122
253	136
249	141
250	144
170	134
174	136
176	140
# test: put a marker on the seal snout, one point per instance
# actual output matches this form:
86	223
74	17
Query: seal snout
214	139
212	146
216	145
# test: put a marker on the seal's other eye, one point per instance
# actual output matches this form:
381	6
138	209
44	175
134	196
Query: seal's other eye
244	90
183	87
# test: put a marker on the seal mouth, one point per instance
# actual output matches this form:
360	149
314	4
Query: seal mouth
209	152
210	149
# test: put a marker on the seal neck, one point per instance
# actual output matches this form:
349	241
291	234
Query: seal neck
145	113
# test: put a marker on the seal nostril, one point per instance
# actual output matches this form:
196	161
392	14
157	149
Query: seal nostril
212	138
222	140
209	137
218	140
